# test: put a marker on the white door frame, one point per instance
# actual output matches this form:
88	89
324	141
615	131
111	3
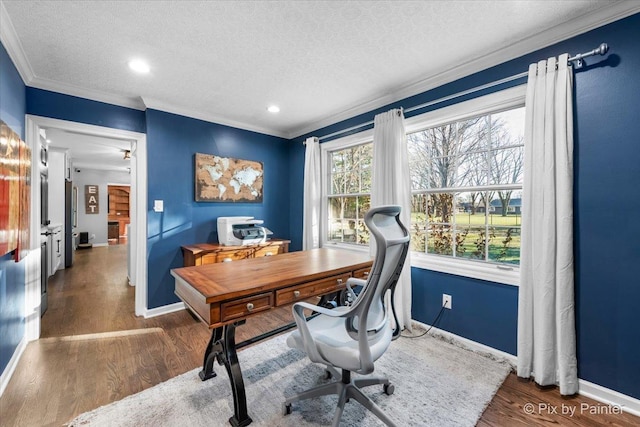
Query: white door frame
138	187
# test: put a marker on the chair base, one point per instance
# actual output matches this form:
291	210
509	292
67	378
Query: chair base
346	388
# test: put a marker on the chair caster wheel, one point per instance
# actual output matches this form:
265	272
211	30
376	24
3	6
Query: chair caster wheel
327	374
286	409
389	389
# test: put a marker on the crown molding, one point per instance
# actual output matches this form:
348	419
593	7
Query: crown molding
589	21
579	25
212	118
10	40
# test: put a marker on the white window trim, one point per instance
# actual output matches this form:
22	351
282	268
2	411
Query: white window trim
502	100
348	246
508	275
325	149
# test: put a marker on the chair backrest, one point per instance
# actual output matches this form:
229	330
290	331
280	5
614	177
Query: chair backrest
369	312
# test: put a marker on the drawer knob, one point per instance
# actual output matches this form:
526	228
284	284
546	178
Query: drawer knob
249	306
366	274
296	294
339	282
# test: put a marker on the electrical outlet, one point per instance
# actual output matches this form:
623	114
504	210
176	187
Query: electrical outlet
446	301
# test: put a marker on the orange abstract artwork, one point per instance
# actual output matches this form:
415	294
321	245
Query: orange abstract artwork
25	201
15	193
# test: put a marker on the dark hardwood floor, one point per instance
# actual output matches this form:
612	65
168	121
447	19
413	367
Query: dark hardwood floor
93	350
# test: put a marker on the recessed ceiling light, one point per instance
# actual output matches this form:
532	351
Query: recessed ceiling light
139	66
273	109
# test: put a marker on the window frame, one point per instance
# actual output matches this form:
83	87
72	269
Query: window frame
498	101
502	100
326	149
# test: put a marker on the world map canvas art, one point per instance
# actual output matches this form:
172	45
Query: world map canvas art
223	179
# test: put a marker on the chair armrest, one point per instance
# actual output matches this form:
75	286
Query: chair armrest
351	294
317	309
301	321
353	281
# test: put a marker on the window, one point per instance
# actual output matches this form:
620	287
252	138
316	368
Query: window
466	166
349	194
466	179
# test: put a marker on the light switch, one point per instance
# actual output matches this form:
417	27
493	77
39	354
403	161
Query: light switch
158	205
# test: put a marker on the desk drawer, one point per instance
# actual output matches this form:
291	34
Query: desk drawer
269	250
223	256
363	273
319	287
211	258
246	306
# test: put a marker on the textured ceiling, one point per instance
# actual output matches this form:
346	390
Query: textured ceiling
90	151
320	61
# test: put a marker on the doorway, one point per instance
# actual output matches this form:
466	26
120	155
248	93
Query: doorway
138	202
118	218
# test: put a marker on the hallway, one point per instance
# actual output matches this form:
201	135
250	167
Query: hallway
93	350
92	296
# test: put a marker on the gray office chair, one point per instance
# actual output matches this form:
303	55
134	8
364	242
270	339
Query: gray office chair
352	338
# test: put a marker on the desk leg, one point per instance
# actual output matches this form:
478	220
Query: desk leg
240	417
222	347
213	349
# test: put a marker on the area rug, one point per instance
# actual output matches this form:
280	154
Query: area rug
437	383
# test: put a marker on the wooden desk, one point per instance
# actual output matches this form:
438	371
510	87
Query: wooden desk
224	295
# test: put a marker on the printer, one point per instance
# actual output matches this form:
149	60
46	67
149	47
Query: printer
241	231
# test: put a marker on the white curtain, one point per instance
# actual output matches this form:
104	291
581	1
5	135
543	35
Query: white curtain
391	185
546	317
311	208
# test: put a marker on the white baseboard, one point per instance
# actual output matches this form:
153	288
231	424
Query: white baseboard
165	309
11	366
472	345
585	388
609	397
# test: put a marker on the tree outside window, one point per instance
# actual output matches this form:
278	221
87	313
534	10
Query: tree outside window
350	194
466	181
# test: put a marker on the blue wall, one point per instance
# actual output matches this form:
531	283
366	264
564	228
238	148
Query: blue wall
12	94
12	280
606	176
66	107
607	173
172	143
606	222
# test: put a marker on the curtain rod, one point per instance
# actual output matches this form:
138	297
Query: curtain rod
600	50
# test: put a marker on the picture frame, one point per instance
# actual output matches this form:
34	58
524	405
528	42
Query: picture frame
225	179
